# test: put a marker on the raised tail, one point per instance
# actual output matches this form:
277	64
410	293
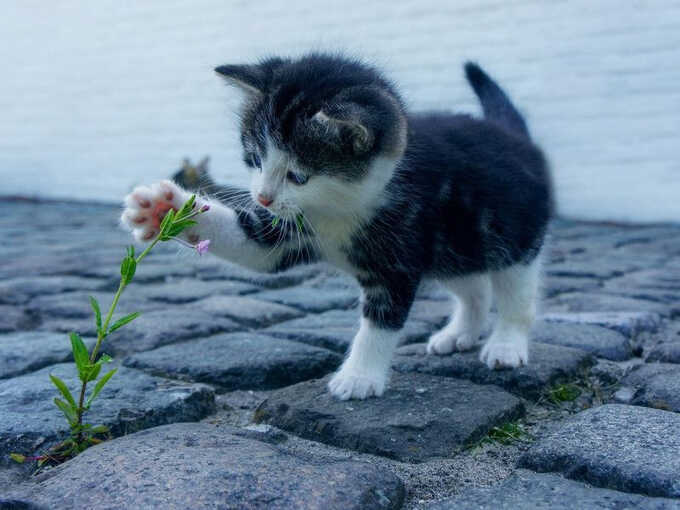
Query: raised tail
495	103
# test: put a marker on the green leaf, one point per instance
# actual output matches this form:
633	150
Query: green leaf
93	371
177	228
80	355
167	220
99	429
122	322
98	387
61	386
131	251
299	221
127	269
276	221
105	358
186	208
17	457
97	313
68	412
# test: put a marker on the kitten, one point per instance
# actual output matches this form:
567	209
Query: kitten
341	172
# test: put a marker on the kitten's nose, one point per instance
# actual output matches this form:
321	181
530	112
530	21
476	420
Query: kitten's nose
264	199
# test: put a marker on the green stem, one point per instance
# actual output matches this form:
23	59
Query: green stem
101	334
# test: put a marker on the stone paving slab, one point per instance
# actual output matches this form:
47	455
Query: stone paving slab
223	270
656	384
597	340
554	285
238	361
589	268
201	466
628	324
335	330
248	311
667	351
548	364
418	418
589	302
312	300
627	448
185	290
159	328
14	319
21	290
28	351
549	492
131	401
76	305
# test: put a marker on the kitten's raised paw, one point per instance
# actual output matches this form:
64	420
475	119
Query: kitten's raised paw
505	354
146	207
443	342
345	385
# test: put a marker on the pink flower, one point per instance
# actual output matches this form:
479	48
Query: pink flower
205	208
202	246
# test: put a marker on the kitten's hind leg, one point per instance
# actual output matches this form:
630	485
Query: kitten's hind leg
473	294
516	291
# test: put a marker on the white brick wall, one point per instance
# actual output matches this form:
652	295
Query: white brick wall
98	96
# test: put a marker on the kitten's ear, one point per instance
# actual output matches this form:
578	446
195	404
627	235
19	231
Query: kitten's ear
203	165
248	78
251	78
348	134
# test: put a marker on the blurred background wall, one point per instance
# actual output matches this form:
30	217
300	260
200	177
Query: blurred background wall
96	97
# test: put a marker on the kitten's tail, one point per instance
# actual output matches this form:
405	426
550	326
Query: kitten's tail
495	103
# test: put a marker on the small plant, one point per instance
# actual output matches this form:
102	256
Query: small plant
563	393
89	364
508	433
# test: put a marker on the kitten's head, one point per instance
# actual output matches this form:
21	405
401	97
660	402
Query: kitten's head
321	134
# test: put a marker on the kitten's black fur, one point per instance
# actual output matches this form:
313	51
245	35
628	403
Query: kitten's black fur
468	195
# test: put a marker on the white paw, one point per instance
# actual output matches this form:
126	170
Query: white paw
445	342
505	354
146	207
345	385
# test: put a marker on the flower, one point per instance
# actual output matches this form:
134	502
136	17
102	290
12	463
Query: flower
202	246
205	208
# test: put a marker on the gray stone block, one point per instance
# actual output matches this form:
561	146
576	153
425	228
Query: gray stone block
419	416
21	290
13	318
657	385
667	352
597	340
32	350
549	492
238	361
626	323
164	327
131	401
201	466
627	448
548	364
245	310
312	300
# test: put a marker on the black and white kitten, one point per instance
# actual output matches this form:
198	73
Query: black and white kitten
390	197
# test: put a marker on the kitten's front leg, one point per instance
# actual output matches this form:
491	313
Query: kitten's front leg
234	235
365	372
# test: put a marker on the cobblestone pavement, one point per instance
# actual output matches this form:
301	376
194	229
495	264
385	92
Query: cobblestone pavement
221	402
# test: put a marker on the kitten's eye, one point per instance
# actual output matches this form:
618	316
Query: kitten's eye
298	179
253	160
